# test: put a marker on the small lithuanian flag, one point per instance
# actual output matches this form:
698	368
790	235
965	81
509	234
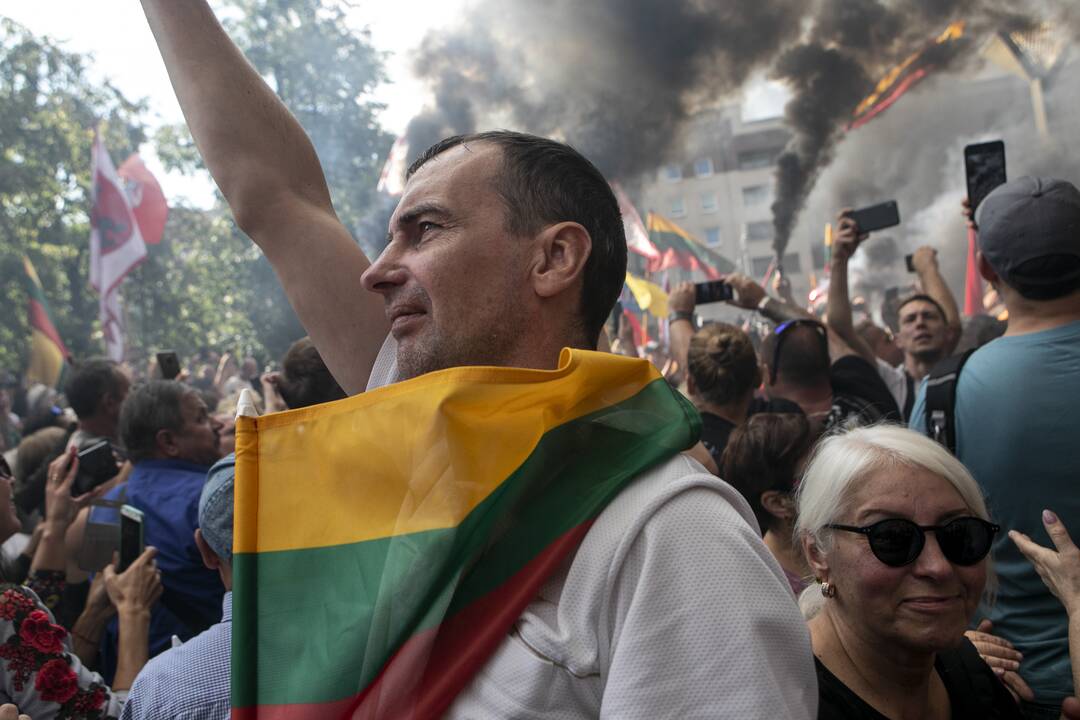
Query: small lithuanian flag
48	356
385	543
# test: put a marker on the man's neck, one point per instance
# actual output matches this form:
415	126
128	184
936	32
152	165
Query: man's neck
893	681
919	366
786	553
813	400
1029	316
99	427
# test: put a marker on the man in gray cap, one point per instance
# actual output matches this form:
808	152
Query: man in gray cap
192	681
1016	401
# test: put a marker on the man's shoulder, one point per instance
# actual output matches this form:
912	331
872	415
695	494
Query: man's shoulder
194	675
642	503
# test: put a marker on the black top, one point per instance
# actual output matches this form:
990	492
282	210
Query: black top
715	430
974	691
860	396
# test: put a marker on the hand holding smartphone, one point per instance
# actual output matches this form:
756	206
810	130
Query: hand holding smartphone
97	466
132	537
713	291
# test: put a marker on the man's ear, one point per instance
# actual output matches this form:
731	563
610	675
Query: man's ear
778	504
562	251
985	270
165	440
209	557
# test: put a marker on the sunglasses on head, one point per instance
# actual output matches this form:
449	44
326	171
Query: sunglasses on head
898	542
782	329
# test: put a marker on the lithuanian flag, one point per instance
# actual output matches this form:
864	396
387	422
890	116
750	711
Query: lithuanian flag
679	249
48	356
386	543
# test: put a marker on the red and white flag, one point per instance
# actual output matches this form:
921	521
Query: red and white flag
392	178
116	245
145	197
637	237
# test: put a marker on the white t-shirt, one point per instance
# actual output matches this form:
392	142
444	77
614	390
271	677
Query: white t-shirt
896	379
672	607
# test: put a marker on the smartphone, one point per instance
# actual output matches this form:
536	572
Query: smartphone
984	164
909	260
169	364
711	292
877	217
97	465
132	540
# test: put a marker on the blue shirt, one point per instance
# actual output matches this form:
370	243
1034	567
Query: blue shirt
167	492
1017	433
190	682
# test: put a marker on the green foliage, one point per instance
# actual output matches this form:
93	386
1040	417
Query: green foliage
48	112
205	285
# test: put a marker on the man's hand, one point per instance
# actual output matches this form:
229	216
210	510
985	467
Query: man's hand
924	260
682	298
97	600
782	287
1002	658
136	589
846	239
272	400
748	294
1060	568
968	213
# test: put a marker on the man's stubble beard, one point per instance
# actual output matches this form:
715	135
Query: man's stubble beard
496	346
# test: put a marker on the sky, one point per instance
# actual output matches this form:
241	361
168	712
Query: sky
115	33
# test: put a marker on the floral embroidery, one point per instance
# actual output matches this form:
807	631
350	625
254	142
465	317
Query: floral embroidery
57	682
41	634
37	647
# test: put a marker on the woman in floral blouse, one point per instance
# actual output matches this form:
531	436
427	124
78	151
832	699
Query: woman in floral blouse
39	672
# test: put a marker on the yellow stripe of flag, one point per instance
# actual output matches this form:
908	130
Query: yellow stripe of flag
414	456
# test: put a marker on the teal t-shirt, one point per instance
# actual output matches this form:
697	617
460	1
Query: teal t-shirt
1018	432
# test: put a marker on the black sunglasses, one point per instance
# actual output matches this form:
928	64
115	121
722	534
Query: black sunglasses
782	329
898	542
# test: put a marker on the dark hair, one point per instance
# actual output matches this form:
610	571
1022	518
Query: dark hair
1048	266
921	297
763	454
802	357
723	364
305	379
150	407
544	182
92	380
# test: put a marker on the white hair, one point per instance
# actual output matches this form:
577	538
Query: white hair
841	461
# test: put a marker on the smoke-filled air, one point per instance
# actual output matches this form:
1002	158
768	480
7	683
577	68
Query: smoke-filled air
618	79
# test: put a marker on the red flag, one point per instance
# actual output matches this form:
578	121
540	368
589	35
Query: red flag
146	198
973	290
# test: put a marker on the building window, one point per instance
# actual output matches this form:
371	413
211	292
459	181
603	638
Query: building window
792	264
759	231
760	265
703	167
754	159
712	236
755	195
678	206
671	173
708	202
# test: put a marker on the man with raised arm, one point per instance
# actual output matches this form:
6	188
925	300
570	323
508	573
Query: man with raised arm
504	249
929	321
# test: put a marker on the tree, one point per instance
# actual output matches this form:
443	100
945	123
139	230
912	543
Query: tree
48	112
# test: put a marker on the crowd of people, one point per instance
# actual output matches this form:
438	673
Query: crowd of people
874	523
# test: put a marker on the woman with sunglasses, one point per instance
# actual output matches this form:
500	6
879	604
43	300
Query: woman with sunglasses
897	535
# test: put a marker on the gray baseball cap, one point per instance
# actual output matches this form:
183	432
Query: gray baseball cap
216	507
1026	219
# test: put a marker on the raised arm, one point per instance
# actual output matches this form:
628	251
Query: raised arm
681	328
268	172
933	284
838	315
